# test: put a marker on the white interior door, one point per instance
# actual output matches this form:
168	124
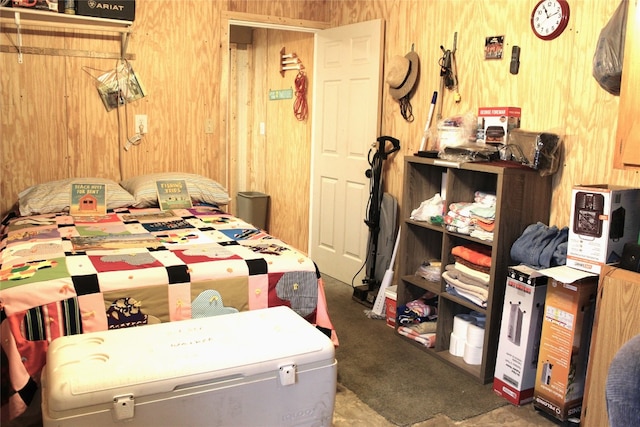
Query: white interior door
346	122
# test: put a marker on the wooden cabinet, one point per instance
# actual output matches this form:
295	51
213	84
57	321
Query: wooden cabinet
617	320
627	152
523	198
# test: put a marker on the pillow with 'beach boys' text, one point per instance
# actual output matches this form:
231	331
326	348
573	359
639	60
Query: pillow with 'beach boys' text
200	188
55	196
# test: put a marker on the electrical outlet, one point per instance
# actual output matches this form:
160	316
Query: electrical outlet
141	124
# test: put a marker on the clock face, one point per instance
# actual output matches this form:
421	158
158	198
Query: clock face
549	18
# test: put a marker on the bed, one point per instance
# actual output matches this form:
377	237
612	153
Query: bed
64	274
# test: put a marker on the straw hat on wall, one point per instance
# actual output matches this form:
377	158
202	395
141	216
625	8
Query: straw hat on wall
402	75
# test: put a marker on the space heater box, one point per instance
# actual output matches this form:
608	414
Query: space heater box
254	368
564	342
603	218
519	340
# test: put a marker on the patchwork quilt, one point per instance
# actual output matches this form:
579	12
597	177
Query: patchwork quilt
63	275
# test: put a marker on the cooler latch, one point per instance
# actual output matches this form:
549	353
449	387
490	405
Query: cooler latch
123	407
288	374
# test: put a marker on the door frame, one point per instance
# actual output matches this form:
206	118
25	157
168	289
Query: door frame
241	19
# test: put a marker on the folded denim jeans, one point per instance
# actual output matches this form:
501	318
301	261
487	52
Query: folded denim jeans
541	246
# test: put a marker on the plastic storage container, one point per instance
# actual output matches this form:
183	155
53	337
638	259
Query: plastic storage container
196	372
253	207
391	295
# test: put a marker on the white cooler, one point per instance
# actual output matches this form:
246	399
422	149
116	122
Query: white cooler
257	368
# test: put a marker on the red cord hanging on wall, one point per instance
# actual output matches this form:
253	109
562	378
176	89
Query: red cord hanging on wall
300	107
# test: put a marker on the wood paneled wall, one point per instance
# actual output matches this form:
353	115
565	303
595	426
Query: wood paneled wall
554	87
53	124
278	161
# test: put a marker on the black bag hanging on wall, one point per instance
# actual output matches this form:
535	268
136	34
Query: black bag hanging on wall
608	59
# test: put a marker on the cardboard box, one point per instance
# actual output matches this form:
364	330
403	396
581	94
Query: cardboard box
497	122
112	9
603	218
519	340
564	343
391	297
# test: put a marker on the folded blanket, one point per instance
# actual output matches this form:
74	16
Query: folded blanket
476	254
480	292
485	198
467	278
407	316
424	327
472	298
483	223
479	275
482	234
471	265
487	212
462	209
428	339
420	310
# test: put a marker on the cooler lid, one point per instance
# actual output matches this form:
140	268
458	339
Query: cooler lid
90	369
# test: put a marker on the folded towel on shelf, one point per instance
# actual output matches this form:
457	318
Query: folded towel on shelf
466	295
483	223
484	198
482	235
480	292
486	212
471	265
478	275
476	254
420	310
471	218
426	339
467	278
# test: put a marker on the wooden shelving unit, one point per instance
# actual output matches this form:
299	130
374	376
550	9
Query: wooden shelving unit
523	198
19	17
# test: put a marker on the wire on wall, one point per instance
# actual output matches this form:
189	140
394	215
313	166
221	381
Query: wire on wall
300	107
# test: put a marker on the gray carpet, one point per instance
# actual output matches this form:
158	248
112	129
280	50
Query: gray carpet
396	379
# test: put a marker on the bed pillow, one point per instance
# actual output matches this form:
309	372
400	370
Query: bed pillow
201	189
55	196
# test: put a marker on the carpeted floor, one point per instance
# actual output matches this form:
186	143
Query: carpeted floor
396	379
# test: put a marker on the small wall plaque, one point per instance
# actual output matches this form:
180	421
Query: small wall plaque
275	95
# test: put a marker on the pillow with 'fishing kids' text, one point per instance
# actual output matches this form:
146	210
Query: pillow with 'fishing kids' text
200	188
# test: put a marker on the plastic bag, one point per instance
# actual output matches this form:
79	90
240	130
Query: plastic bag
609	55
538	150
118	86
456	131
457	140
429	209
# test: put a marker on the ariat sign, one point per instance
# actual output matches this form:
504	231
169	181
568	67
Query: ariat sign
108	6
111	9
